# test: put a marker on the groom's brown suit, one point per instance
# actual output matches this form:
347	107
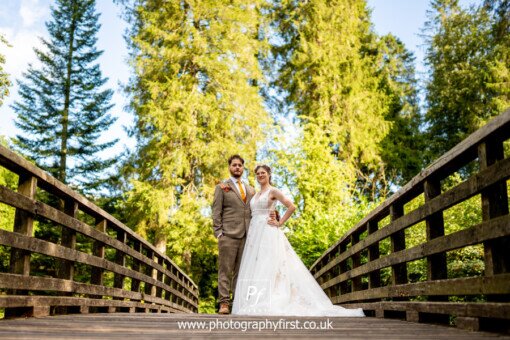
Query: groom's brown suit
231	218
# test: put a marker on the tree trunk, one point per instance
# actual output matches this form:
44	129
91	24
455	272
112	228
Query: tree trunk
67	94
160	241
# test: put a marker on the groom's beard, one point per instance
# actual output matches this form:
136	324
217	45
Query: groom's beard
236	176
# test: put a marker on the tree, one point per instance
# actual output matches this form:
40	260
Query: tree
63	109
402	148
353	97
195	97
468	58
328	79
5	83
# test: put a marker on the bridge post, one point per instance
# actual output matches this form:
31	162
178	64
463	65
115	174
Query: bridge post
344	286
96	275
356	262
149	271
120	259
436	264
335	271
398	242
159	275
326	277
374	278
65	269
23	224
135	283
494	204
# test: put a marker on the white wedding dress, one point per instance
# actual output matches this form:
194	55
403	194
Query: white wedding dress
272	279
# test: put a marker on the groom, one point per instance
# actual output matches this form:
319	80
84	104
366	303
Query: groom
231	219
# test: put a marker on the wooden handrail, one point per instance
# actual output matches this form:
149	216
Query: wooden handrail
350	270
150	282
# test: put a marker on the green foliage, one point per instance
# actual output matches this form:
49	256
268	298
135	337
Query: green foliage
310	236
354	97
468	56
5	83
346	126
332	86
195	96
462	262
63	110
10	180
401	149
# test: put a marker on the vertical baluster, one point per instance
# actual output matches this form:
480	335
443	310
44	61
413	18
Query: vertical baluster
173	284
335	272
398	242
23	224
20	259
167	280
120	259
344	285
356	262
149	271
494	204
374	278
325	277
436	264
158	275
98	249
135	283
65	268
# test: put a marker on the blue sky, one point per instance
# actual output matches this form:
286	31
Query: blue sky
22	22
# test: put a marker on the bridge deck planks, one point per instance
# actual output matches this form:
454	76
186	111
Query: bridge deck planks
165	326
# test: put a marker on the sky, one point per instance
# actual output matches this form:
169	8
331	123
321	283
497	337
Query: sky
22	22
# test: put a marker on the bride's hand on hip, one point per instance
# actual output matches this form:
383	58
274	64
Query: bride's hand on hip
273	222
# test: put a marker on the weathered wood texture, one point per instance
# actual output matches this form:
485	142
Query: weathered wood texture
173	326
142	279
359	285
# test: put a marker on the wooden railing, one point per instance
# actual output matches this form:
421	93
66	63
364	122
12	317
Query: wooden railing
100	265
351	271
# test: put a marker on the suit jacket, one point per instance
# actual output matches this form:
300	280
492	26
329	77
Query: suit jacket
231	216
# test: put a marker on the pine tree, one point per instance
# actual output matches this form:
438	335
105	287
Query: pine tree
63	109
4	77
468	56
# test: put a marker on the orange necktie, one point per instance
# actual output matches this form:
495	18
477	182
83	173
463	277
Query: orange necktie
243	195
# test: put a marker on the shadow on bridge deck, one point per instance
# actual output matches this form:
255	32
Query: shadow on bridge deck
166	326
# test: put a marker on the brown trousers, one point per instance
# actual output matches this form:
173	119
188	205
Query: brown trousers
230	251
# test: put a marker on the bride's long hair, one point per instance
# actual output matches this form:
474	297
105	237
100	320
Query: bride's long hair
268	170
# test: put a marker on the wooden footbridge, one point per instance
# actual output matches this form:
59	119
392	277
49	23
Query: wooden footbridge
105	281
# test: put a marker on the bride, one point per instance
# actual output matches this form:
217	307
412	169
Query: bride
272	280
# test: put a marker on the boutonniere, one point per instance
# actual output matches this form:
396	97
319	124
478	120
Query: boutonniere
251	191
225	187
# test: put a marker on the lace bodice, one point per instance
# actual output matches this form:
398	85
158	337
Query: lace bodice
261	205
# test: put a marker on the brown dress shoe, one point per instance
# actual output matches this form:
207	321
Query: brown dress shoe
224	308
